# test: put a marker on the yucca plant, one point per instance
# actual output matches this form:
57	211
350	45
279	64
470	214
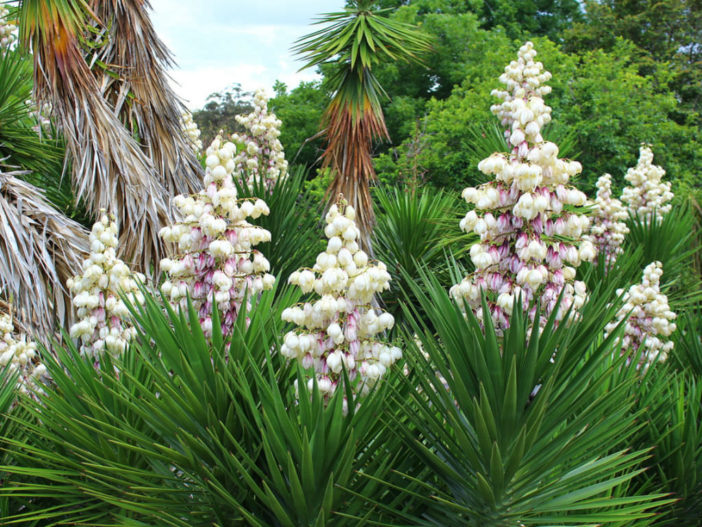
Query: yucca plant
130	61
351	43
186	431
518	427
20	146
672	410
411	232
687	351
669	240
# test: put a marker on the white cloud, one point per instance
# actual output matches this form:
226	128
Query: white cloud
217	43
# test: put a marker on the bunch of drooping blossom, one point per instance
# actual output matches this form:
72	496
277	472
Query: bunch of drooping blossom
216	262
647	194
41	115
191	130
650	319
19	354
340	329
103	317
261	153
608	229
7	29
530	235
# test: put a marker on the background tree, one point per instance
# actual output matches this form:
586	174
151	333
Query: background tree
668	39
220	111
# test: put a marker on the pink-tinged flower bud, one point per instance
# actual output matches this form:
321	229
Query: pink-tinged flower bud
504	197
553	258
307	361
537	225
503	223
522	240
495	281
199	290
232	236
523	150
354	348
516	265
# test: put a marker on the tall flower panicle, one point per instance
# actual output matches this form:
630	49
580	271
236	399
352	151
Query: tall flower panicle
340	329
8	29
531	237
103	317
192	132
647	193
262	153
216	261
650	321
608	229
19	354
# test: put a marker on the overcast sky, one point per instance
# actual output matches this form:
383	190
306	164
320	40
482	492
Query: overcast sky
220	42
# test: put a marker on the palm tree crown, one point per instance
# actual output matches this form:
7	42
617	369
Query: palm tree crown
352	41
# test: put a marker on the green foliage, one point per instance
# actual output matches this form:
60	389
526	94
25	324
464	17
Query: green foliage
516	427
531	17
672	406
410	234
301	111
292	222
667	36
598	99
186	432
669	240
317	186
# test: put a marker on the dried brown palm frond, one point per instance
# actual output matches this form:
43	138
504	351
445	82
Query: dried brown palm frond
350	135
40	249
130	67
110	171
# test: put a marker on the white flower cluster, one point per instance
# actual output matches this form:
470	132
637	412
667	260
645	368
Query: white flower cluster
18	354
217	263
530	239
339	330
192	132
261	153
647	193
608	229
41	115
650	318
8	29
103	317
